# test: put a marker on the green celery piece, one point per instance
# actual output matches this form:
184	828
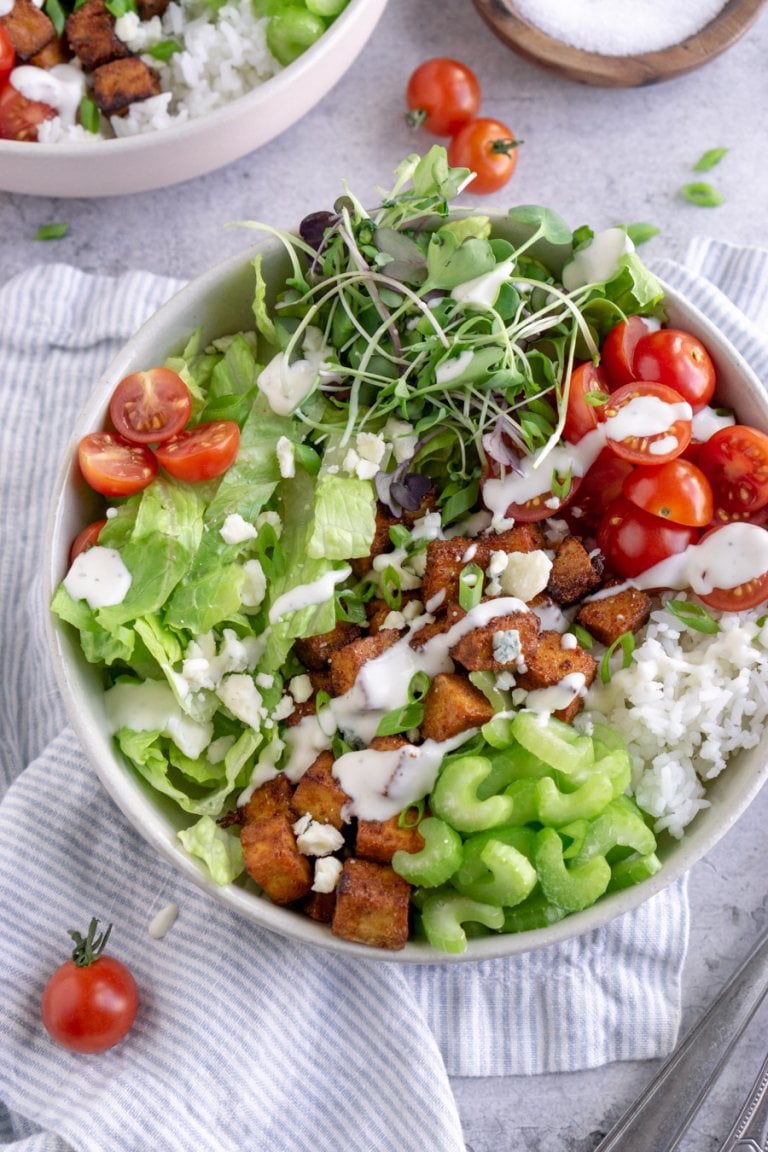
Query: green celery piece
438	859
620	825
633	870
508	765
525	796
444	911
454	797
344	518
219	850
535	912
557	744
573	887
496	873
556	807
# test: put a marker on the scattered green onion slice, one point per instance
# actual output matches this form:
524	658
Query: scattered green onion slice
56	14
470	586
51	231
709	159
89	115
584	638
391	589
703	195
641	232
627	644
411	714
693	616
399	535
164	49
561	485
411	816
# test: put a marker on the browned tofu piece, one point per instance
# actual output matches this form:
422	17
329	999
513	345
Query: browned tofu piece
550	662
319	793
573	573
372	904
55	52
28	28
443	622
612	616
446	558
346	662
319	906
315	651
381	540
380	839
273	860
121	83
475	650
90	33
452	705
149	8
271	798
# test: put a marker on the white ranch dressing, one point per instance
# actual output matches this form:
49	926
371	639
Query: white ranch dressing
98	576
61	88
707	421
557	696
483	290
645	416
305	595
149	706
453	368
599	260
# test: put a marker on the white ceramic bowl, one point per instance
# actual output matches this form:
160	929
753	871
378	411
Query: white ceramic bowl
220	302
158	159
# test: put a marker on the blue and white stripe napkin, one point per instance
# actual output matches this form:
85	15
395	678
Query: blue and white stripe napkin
245	1040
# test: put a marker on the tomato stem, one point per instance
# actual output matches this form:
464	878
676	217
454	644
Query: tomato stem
416	117
88	948
505	145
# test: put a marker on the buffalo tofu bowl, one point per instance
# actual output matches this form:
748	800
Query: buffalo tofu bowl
398	598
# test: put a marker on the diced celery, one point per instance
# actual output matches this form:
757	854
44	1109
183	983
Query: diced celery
556	807
535	912
500	875
454	797
437	860
633	870
557	744
574	887
444	912
622	823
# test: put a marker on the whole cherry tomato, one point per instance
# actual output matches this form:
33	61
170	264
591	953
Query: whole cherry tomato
90	1002
442	95
676	491
618	351
633	540
489	149
679	360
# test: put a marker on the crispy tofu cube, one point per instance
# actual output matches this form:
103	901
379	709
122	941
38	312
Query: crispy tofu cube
380	839
443	622
29	29
612	616
120	83
271	798
573	573
478	651
53	53
381	538
90	34
446	558
273	860
315	652
452	705
550	662
346	662
319	793
319	906
372	905
149	8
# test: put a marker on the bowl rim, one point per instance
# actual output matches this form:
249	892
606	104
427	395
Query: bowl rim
122	784
273	87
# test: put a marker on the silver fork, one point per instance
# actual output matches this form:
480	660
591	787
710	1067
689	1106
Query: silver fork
659	1118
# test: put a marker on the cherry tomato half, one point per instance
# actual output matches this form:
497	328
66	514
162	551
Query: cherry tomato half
746	595
676	491
633	540
19	117
113	466
7	55
581	416
201	452
735	460
147	407
543	506
90	1002
618	351
648	423
489	149
86	539
442	95
600	486
678	360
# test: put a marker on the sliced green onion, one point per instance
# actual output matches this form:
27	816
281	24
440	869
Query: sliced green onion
51	231
584	638
561	485
703	195
56	14
350	607
596	399
641	232
627	644
402	719
399	535
709	159
693	616
89	115
271	555
470	586
418	687
391	589
411	816
164	49
118	8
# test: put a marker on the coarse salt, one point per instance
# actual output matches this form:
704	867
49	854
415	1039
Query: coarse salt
620	27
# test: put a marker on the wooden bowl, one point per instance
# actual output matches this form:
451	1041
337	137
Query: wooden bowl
531	42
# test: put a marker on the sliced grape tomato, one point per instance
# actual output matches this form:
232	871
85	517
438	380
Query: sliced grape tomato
86	539
150	406
201	452
114	466
588	385
735	460
647	423
736	552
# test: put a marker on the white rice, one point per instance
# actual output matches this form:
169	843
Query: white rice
685	704
224	56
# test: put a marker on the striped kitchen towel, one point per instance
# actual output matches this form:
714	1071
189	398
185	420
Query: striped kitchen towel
245	1040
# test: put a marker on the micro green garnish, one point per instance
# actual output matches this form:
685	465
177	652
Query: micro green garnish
470	586
584	638
89	115
693	616
596	399
641	232
164	49
627	644
51	231
709	159
411	816
703	195
411	714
